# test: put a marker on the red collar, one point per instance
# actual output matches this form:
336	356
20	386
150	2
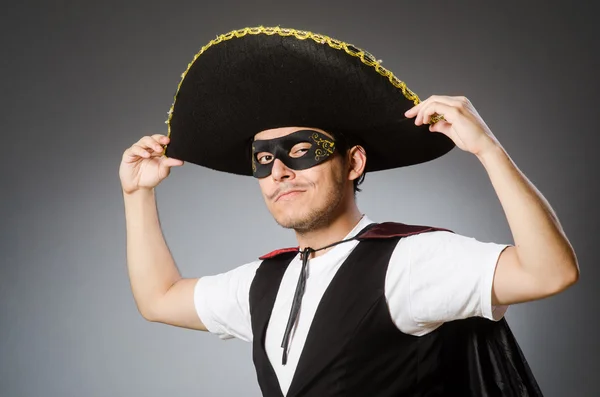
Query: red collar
381	230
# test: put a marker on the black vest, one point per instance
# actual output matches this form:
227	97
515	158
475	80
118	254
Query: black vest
354	349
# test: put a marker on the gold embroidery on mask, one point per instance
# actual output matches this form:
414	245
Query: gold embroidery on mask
326	147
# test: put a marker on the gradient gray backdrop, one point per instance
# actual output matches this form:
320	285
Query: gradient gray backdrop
82	81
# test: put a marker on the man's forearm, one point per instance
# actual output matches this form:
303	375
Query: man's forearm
152	270
541	245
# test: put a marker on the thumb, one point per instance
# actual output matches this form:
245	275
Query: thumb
441	126
165	165
171	162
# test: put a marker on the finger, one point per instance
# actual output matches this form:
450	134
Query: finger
449	100
160	138
457	101
157	137
427	112
441	126
135	152
449	112
149	142
414	110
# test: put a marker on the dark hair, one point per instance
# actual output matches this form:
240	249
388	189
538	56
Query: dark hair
343	143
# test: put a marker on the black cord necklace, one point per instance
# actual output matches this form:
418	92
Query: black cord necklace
300	287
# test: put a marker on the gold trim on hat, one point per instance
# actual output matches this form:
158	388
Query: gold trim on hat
350	49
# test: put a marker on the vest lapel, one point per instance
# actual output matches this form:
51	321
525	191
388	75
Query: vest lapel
262	299
324	343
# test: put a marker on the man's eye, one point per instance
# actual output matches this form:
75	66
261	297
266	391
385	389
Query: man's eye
299	151
264	158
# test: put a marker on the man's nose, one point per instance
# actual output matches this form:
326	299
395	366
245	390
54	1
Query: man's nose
280	171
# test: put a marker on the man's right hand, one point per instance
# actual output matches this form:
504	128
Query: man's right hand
144	166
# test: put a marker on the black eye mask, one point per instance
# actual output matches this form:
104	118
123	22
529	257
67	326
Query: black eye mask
321	147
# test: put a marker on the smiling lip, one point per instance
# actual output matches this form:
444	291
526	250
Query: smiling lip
289	193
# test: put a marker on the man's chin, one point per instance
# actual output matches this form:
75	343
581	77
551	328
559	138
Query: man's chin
291	221
288	222
302	224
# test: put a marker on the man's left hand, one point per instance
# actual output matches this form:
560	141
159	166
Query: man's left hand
460	122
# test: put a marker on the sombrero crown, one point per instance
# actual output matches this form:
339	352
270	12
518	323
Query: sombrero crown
260	78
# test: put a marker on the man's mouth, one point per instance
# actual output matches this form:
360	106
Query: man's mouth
288	195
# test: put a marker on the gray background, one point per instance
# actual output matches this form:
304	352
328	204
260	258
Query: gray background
81	81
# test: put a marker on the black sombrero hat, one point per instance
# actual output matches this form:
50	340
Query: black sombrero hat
254	79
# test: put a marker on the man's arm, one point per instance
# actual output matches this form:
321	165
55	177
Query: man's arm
542	262
161	294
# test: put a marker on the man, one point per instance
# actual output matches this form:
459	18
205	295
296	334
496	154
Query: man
358	308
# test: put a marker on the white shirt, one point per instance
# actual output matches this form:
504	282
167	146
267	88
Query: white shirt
432	278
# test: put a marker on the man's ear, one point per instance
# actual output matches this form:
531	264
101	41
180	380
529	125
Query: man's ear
357	163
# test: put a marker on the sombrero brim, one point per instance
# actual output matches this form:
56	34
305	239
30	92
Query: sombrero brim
261	78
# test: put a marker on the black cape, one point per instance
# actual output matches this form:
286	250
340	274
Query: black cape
481	357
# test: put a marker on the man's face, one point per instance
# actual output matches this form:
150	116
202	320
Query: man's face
302	199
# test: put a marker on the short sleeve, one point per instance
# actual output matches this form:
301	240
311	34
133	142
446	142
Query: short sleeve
222	302
440	276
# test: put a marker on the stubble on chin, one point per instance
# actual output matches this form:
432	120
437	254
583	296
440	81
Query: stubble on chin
316	217
307	222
